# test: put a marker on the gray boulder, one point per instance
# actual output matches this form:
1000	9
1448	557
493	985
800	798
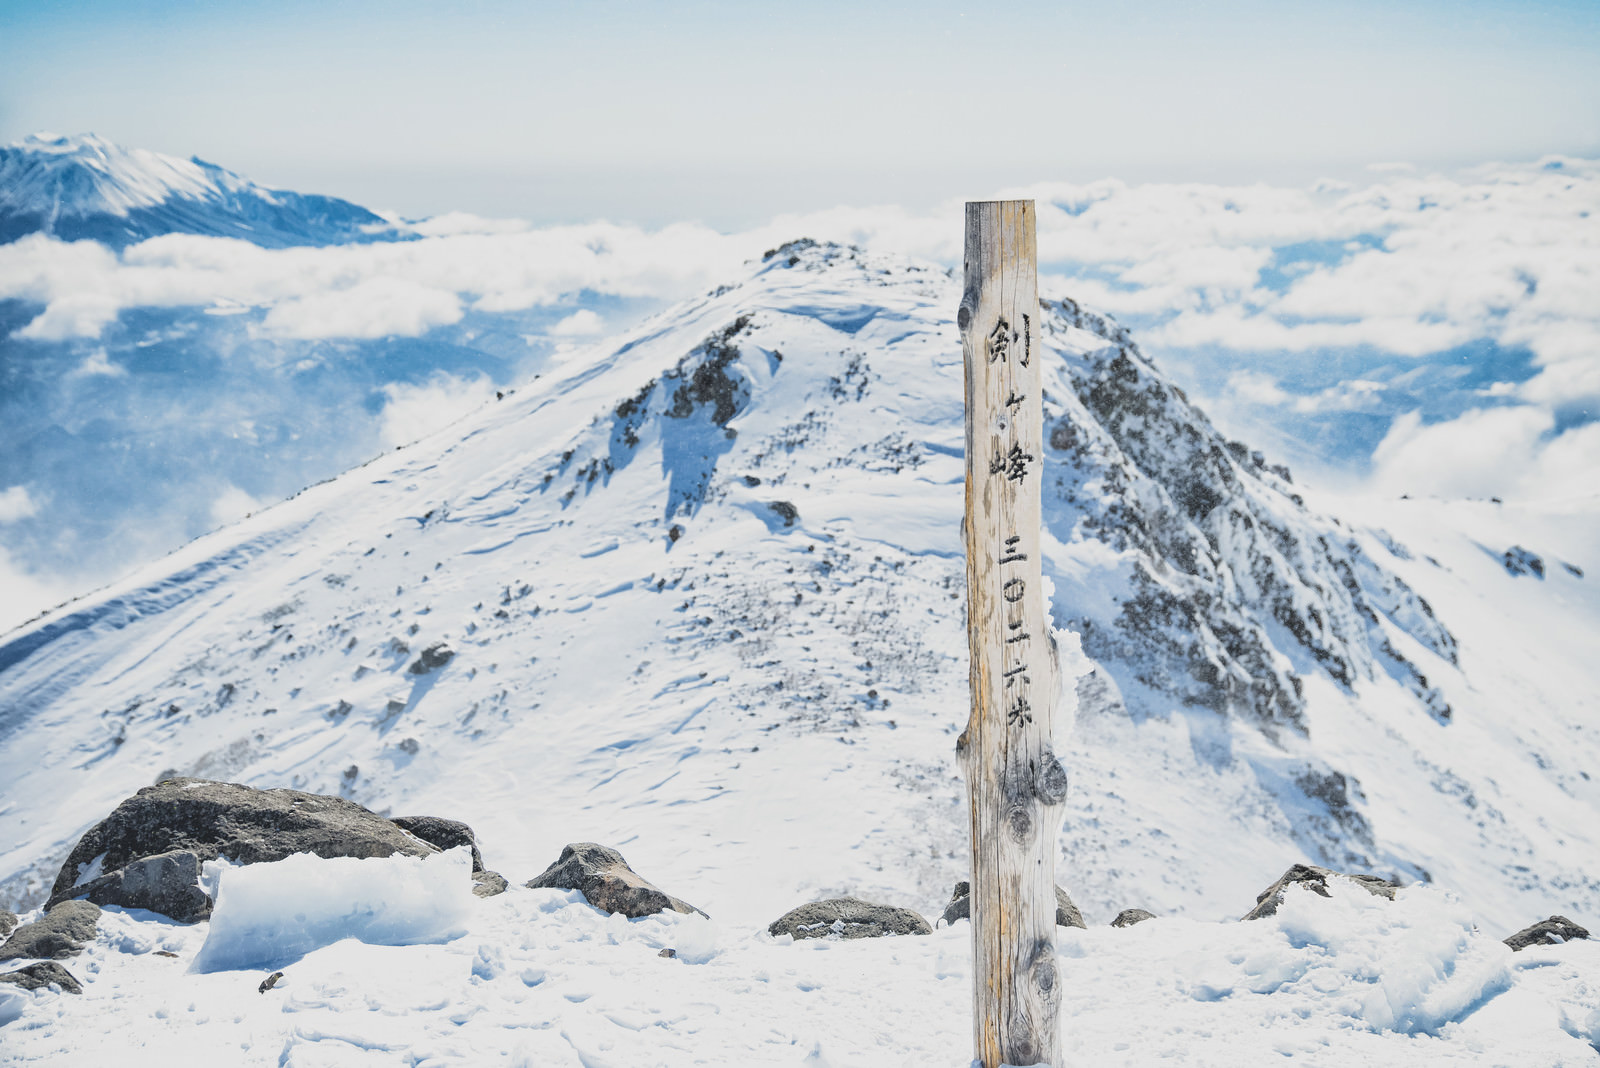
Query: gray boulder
38	976
488	883
607	882
1551	932
960	907
848	917
442	834
248	826
60	933
168	883
8	920
1315	879
1129	917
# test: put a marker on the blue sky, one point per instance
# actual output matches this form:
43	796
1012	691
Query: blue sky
730	113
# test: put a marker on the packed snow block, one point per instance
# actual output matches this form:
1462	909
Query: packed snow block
960	907
847	917
8	920
1129	917
220	819
44	974
62	932
432	659
168	883
279	911
1315	879
1551	932
607	882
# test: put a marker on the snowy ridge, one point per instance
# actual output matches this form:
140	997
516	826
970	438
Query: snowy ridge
705	591
86	187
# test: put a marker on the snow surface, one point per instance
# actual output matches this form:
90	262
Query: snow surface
733	649
541	978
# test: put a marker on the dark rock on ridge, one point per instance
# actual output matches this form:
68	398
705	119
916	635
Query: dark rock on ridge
38	976
1551	932
960	907
1314	879
1129	917
248	826
60	933
168	883
605	879
1520	561
8	920
432	659
848	918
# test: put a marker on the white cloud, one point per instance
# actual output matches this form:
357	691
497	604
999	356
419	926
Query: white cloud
1507	452
374	307
16	503
581	323
232	505
415	411
97	363
23	595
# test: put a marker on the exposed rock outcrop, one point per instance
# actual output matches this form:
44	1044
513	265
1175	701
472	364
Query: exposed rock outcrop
960	907
1129	917
168	883
607	882
60	933
1315	879
848	917
1551	932
8	920
205	820
43	974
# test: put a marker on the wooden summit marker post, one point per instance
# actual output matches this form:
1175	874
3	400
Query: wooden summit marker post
1015	784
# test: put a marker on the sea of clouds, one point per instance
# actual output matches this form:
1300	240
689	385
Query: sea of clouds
1424	334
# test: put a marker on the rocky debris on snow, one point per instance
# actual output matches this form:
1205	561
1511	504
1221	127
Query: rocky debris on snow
432	658
1573	569
1551	932
1519	561
168	883
848	917
8	920
210	819
60	933
269	982
669	952
45	973
607	882
1129	917
1315	879
960	907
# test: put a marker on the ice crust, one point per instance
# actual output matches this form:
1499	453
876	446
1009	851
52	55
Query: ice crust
276	912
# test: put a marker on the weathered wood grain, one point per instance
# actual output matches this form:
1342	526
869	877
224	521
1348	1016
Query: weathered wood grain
1015	784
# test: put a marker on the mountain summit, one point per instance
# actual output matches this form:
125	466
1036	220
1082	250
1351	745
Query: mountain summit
85	187
701	593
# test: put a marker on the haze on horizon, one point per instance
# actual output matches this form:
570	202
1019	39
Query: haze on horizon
730	114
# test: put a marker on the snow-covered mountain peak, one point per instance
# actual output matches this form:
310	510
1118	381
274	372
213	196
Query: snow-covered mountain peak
86	186
703	588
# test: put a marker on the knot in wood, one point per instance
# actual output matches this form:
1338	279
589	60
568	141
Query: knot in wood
963	316
1044	977
1051	784
1020	820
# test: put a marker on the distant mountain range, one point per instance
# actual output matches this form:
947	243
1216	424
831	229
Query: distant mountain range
85	187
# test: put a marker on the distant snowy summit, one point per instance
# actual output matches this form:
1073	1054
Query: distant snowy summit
85	187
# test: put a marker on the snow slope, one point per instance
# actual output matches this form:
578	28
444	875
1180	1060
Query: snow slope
86	187
705	589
